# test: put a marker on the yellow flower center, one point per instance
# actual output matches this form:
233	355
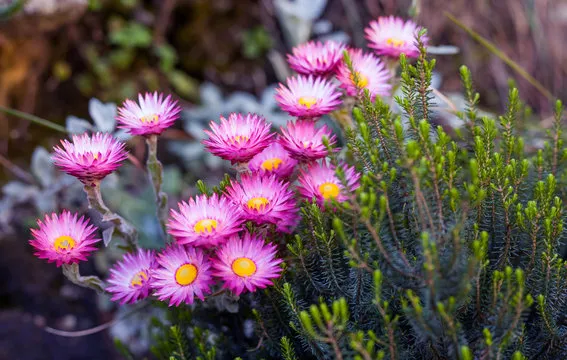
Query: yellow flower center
64	243
186	274
239	138
243	267
271	164
307	101
395	42
139	278
95	155
154	118
207	225
329	190
359	79
257	203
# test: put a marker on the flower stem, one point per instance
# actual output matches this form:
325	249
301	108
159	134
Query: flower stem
126	230
155	172
71	272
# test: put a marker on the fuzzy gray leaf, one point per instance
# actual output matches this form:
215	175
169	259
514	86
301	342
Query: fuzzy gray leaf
42	166
75	125
107	235
103	115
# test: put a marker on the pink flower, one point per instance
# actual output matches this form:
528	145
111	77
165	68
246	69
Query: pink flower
246	264
308	96
131	277
320	182
64	239
183	274
369	73
304	141
239	137
265	200
316	58
90	159
273	160
205	221
153	115
391	36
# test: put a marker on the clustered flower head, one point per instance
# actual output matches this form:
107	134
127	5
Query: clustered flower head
316	58
130	278
308	97
64	238
273	160
152	115
90	158
304	140
392	36
205	221
320	182
368	73
239	137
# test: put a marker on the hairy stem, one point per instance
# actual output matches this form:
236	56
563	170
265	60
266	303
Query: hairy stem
71	272
155	173
121	225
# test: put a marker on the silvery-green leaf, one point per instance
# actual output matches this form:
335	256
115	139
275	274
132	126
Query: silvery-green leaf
103	115
196	130
75	125
338	36
122	135
322	26
443	50
268	99
42	166
19	191
210	95
107	235
46	202
303	9
242	102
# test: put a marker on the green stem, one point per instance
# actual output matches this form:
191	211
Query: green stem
121	225
33	118
71	272
155	173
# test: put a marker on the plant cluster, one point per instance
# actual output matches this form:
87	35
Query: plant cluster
407	243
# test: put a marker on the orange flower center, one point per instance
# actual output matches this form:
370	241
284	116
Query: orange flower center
64	243
257	203
154	118
205	225
307	101
359	79
329	190
186	274
236	139
139	279
271	164
395	42
243	267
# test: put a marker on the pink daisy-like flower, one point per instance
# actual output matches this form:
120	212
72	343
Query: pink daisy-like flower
183	274
265	200
304	141
90	158
239	137
64	238
316	58
151	116
273	160
320	182
131	277
369	73
392	36
205	221
246	263
308	96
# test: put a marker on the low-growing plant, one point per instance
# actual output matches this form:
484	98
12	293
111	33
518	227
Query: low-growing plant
409	243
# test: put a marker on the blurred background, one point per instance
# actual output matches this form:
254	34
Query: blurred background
72	61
